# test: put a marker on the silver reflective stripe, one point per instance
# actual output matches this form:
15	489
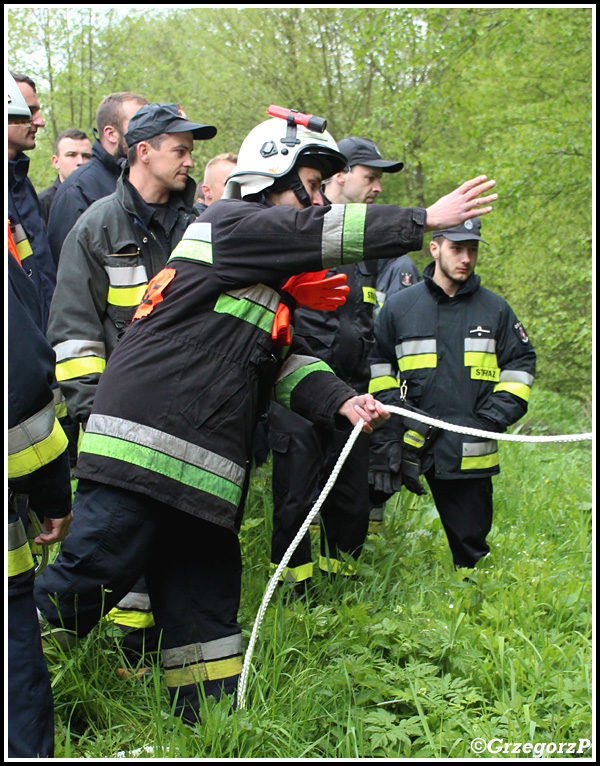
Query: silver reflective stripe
17	536
379	370
71	349
199	231
33	430
477	449
413	347
293	363
481	345
126	276
260	294
167	444
333	237
140	602
210	650
515	376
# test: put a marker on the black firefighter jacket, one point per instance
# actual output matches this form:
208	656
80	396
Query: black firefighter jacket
178	402
466	360
38	460
112	252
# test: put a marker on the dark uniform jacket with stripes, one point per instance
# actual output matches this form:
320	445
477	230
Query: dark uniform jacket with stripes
29	233
344	337
466	360
111	253
38	461
178	402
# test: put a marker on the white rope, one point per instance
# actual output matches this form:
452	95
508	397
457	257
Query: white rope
272	584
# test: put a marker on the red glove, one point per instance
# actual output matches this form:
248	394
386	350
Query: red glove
309	289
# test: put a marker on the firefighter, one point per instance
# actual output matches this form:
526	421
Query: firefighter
165	460
116	246
38	483
303	454
465	358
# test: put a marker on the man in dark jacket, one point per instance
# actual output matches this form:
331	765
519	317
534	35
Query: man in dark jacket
304	455
72	149
26	224
98	177
38	484
165	461
116	247
462	356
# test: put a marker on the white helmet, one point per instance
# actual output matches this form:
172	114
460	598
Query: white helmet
272	149
18	111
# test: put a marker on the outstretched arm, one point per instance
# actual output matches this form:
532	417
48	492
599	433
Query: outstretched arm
461	204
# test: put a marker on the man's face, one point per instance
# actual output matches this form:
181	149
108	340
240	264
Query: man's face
455	262
311	180
214	180
21	138
71	153
170	164
362	184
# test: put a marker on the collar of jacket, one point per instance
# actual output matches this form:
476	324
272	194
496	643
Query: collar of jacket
468	288
18	168
110	163
133	202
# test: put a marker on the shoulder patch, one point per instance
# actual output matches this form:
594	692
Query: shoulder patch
521	334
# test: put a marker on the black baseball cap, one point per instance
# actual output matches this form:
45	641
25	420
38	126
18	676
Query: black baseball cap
362	151
469	230
153	119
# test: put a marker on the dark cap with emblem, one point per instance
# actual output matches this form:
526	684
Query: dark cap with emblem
154	119
469	230
362	151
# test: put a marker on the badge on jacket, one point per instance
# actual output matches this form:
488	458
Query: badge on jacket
520	330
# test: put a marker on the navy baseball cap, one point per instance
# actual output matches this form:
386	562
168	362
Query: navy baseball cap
362	151
469	230
153	119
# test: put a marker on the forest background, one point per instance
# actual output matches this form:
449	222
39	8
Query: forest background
452	92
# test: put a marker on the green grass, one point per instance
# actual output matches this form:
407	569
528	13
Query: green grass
409	661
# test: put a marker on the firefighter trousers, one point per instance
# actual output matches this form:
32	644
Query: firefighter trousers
193	574
466	509
303	459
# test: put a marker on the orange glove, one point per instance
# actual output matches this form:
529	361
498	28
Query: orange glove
309	289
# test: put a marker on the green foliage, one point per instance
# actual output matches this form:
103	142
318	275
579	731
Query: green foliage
411	660
452	92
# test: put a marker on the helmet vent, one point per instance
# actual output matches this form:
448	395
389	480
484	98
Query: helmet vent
268	149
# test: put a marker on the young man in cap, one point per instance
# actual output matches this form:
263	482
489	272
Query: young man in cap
116	247
72	149
304	456
164	465
463	357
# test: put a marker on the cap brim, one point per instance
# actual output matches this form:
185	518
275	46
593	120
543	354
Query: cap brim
198	131
461	237
385	165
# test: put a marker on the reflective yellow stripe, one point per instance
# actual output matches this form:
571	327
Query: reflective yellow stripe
131	619
517	389
193	250
126	296
24	249
490	374
20	560
77	368
479	462
295	574
37	455
203	671
347	567
481	359
380	384
417	362
414	439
